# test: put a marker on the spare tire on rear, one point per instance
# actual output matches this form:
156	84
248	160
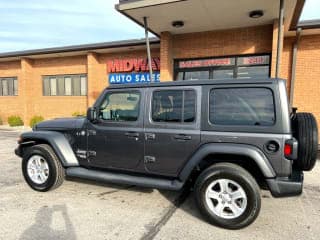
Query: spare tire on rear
305	130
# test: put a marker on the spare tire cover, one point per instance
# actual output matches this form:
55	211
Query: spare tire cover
305	130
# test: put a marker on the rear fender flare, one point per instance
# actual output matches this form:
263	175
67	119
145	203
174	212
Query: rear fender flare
57	141
228	148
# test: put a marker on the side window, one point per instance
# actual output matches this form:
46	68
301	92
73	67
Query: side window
175	106
242	106
120	106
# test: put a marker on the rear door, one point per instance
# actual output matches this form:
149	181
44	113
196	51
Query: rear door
172	128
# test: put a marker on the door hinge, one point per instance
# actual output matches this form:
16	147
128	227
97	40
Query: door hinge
81	153
91	153
91	132
81	133
149	159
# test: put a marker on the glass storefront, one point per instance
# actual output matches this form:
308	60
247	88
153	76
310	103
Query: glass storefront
253	66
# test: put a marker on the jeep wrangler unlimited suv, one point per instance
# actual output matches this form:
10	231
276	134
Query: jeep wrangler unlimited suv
228	138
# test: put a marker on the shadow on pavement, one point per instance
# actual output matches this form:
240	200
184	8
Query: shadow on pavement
183	199
42	229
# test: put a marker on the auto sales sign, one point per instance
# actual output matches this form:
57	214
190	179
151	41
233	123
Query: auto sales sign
135	70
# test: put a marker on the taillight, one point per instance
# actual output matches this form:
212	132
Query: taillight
288	150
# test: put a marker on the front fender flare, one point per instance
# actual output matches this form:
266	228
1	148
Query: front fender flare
58	142
228	148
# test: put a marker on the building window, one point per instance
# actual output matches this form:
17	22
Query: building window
253	72
253	66
223	73
65	85
8	86
197	75
83	84
177	106
53	86
68	86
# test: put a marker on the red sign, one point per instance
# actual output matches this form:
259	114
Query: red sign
132	65
254	60
206	63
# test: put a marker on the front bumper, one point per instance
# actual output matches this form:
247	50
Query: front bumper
18	151
286	187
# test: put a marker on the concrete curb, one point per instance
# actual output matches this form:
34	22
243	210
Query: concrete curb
14	129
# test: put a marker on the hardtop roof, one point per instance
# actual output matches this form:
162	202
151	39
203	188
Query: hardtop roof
197	83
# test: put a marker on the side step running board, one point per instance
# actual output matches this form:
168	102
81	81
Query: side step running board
124	179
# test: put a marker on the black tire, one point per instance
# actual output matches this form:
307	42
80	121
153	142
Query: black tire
56	171
241	177
305	130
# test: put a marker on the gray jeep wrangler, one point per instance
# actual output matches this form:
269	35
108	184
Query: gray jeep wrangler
226	138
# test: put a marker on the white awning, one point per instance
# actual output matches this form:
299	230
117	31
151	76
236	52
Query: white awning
207	15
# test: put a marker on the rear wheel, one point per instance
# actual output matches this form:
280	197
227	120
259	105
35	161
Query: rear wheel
42	169
228	196
305	130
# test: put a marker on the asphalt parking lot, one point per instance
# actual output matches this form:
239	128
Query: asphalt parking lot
88	210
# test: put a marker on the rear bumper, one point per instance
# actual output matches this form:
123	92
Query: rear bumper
286	187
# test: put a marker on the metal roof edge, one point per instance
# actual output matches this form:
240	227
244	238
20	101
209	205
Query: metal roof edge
198	82
82	47
309	24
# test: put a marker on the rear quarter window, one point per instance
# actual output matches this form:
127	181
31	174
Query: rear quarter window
242	106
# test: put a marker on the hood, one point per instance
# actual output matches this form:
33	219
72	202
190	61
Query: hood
61	124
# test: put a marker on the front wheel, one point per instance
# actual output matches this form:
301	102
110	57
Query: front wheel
228	196
41	168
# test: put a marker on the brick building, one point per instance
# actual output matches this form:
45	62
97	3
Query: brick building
236	39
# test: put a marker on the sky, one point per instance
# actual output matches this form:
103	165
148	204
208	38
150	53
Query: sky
34	24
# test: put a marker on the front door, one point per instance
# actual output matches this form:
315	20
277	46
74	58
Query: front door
116	139
172	128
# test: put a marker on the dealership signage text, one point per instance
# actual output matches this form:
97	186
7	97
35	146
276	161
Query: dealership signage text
215	62
135	70
132	65
126	78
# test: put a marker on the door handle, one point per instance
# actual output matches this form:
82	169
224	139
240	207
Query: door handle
150	136
132	134
182	137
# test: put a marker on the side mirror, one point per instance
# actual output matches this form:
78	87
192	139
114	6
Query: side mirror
92	114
